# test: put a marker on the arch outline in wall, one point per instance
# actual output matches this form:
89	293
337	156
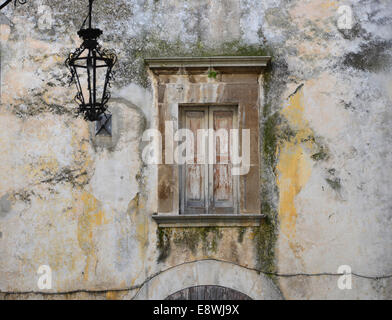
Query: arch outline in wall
212	273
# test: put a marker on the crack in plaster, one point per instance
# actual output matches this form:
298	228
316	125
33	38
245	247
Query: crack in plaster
139	286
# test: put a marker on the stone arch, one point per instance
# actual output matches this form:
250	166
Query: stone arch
209	273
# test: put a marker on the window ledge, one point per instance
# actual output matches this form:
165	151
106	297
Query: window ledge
208	220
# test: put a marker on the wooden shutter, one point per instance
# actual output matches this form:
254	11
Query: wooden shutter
222	184
209	188
194	176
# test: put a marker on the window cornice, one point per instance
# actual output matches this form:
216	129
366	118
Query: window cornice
230	64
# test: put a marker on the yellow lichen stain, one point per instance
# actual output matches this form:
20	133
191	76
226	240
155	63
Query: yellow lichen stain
329	4
84	206
139	219
91	216
81	155
294	165
5	31
112	295
294	171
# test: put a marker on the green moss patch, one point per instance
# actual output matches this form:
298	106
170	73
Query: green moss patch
190	238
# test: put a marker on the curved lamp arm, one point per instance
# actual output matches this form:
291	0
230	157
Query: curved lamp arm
7	2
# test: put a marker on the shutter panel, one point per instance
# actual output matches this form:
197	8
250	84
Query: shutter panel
222	184
209	187
194	176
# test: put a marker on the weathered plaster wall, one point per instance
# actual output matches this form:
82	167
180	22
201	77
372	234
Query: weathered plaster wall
83	204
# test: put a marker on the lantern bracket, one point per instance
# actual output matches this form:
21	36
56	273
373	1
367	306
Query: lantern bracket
103	126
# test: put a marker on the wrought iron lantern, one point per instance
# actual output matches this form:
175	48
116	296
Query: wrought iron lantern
7	2
91	71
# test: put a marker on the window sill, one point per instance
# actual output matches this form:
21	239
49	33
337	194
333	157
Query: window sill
210	220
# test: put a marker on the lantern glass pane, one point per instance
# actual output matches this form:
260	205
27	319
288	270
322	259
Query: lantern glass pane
100	80
82	78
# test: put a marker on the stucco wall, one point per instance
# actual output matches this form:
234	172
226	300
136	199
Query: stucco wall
83	204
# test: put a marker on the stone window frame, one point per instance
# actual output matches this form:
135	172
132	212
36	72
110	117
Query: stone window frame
206	81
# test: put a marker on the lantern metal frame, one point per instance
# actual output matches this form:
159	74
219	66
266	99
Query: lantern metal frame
89	57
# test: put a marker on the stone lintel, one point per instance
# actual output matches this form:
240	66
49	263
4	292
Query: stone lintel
198	65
